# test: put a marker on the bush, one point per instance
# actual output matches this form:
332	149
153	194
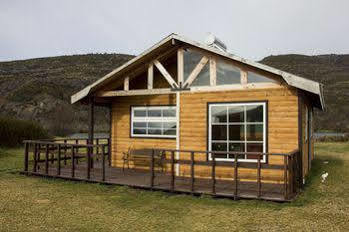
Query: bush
14	131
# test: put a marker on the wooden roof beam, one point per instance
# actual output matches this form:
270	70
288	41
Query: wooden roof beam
164	72
196	71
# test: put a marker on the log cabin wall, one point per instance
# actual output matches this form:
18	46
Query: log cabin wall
282	126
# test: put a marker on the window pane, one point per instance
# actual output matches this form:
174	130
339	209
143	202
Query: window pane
170	125
227	74
169	113
139	124
220	147
236	113
254	147
140	113
219	114
203	79
254	113
191	59
154	113
154	124
139	131
236	133
154	131
219	132
257	78
254	132
239	147
169	132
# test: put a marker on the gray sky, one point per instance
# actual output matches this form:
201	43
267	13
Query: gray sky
250	28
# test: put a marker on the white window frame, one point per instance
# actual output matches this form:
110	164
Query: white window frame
244	123
152	119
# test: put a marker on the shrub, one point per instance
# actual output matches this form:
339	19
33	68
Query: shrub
14	131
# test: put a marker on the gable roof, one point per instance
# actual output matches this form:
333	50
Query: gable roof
309	86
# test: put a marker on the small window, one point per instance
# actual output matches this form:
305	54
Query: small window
257	78
154	121
227	74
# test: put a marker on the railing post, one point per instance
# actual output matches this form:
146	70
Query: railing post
35	165
88	162
65	152
97	149
53	155
172	172
46	158
192	171
77	143
109	151
72	161
59	160
152	170
26	158
213	173
285	177
38	155
291	177
236	176
259	176
103	163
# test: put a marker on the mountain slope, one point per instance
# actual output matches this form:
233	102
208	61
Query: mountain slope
331	70
40	89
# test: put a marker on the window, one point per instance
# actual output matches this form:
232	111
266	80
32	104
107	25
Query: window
237	127
227	74
153	121
191	59
306	124
257	78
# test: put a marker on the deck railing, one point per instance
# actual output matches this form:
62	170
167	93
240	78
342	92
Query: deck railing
69	151
290	167
73	160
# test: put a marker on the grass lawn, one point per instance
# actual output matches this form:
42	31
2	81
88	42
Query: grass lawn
37	204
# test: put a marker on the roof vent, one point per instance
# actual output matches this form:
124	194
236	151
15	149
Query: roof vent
213	41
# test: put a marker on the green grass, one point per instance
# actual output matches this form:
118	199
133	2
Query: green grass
38	204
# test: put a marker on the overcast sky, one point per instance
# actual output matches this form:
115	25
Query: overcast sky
250	28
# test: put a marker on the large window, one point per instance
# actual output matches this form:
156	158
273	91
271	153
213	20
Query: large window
237	127
153	121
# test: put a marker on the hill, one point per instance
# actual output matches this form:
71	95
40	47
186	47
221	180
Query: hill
331	70
40	89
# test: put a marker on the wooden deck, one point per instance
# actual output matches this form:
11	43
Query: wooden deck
55	160
162	181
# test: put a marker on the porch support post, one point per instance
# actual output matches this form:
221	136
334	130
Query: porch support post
178	105
91	121
90	131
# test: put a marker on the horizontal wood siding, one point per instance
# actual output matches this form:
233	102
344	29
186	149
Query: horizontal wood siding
121	140
282	127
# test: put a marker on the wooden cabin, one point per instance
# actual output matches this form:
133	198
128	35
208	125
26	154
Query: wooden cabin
184	96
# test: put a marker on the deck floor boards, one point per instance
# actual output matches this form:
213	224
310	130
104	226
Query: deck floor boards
162	181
